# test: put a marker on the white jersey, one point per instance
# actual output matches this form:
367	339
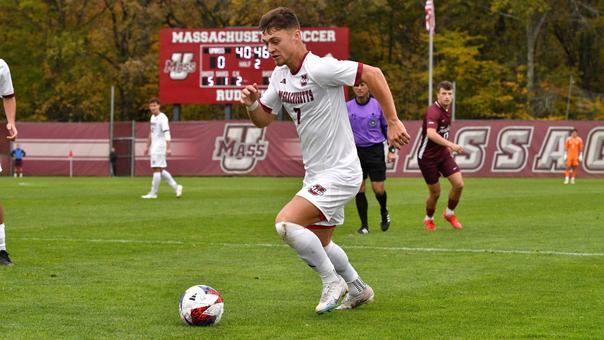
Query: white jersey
159	126
314	98
6	83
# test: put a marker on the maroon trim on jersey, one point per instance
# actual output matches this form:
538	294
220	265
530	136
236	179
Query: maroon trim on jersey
8	96
299	66
265	108
357	79
441	107
320	227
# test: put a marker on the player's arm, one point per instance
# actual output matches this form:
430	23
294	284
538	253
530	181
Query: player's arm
148	144
438	139
250	97
10	102
167	137
378	86
10	109
168	147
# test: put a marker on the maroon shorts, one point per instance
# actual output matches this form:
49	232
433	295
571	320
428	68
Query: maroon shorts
433	168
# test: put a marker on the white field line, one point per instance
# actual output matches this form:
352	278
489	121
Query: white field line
272	245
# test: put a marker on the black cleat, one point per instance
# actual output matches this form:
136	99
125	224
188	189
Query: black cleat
385	224
363	230
4	259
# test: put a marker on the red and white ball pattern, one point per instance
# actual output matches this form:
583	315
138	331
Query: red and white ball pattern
201	306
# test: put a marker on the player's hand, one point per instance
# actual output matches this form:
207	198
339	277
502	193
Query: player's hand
12	131
169	152
146	152
391	157
249	94
397	134
456	148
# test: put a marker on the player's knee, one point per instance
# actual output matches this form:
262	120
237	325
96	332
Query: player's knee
287	230
458	185
281	229
378	189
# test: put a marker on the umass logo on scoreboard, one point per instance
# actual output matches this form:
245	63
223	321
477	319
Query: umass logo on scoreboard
180	65
240	148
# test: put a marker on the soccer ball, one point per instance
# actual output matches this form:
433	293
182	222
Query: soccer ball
201	306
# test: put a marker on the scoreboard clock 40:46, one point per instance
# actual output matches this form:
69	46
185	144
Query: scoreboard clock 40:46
210	66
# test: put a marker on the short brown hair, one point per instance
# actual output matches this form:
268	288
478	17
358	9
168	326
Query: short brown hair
154	100
445	85
278	19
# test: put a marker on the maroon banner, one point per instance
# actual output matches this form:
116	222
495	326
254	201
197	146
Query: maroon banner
211	65
225	148
48	147
492	148
513	148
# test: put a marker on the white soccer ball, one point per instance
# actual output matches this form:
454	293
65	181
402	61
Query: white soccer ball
201	306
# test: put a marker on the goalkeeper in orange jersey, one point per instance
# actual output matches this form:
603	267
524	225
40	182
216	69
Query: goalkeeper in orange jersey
573	148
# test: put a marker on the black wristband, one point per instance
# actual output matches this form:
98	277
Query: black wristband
392	149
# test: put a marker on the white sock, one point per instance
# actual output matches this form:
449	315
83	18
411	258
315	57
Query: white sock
168	178
429	218
309	248
155	182
2	244
338	257
449	212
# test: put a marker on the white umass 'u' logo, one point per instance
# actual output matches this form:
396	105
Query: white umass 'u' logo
239	148
180	65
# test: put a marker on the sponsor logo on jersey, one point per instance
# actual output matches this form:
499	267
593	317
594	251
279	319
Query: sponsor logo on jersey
240	148
180	65
304	80
372	122
317	190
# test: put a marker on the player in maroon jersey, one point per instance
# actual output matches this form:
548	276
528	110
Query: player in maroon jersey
435	159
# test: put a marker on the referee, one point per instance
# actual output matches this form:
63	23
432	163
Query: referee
370	132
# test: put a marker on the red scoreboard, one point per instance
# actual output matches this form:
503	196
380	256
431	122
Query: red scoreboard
211	65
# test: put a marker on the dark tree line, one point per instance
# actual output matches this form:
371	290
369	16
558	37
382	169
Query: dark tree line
509	58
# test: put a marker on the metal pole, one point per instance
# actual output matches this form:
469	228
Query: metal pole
431	49
133	149
176	112
570	89
10	159
228	112
454	100
111	122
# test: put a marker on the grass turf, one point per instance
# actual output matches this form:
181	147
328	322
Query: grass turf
94	260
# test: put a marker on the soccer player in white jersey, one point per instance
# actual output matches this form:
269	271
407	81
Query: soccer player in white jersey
10	107
159	143
311	90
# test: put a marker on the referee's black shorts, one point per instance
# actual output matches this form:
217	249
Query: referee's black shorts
373	162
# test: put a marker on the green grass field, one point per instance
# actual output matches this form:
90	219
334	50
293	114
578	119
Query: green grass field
93	260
